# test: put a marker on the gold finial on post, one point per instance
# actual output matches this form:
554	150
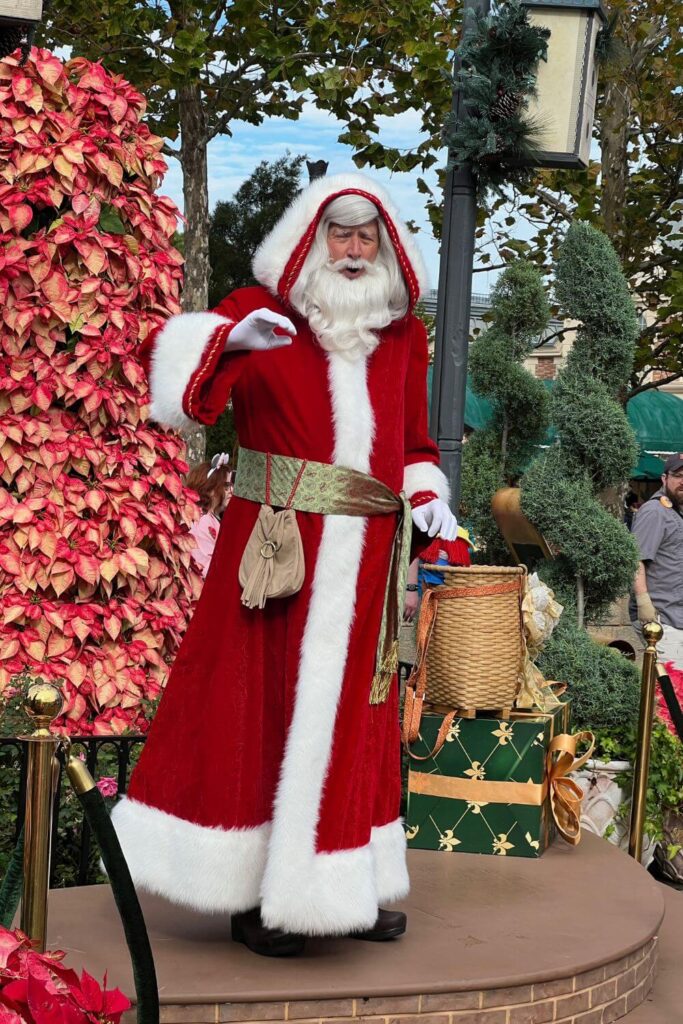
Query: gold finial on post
43	704
653	632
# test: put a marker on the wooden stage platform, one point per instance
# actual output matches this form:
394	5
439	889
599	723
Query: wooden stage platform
569	938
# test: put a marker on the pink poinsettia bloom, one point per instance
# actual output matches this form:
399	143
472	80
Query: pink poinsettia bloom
108	786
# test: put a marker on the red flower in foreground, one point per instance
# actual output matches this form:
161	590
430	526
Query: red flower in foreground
36	988
676	677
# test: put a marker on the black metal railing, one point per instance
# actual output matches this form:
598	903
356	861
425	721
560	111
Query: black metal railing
75	861
74	858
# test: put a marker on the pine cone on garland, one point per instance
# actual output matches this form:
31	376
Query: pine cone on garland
506	105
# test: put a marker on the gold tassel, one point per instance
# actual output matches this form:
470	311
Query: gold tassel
381	683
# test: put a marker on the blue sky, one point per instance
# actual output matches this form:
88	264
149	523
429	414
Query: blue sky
231	160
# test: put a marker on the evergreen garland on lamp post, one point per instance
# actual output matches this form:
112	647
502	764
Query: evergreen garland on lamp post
500	57
488	132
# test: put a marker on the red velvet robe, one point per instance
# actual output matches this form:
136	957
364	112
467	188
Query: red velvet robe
268	777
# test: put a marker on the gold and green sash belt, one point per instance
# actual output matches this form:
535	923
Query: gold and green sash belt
289	483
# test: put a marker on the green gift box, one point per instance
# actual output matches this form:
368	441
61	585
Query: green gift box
486	790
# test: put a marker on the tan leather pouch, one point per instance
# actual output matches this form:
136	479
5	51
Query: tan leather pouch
273	561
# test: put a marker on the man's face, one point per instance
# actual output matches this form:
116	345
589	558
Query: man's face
673	485
359	243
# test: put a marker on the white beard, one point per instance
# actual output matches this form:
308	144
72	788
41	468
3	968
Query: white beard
345	313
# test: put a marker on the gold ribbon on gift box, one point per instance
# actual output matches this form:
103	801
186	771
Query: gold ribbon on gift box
565	794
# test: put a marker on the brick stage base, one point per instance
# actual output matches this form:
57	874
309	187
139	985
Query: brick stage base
570	938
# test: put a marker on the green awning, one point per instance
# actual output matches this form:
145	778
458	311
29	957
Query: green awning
656	416
478	410
649	467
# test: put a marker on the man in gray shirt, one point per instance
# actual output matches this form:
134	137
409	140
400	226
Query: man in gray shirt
658	586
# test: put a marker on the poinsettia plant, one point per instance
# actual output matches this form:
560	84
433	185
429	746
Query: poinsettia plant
96	581
36	988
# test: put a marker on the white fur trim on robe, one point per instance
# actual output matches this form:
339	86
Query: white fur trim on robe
425	476
177	354
343	889
208	869
273	254
305	891
388	848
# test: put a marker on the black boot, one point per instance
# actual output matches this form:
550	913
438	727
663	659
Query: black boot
249	929
390	924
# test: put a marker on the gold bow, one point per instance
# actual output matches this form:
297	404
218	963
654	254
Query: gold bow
565	794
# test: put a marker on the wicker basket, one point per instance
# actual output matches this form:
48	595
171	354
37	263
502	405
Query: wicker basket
474	637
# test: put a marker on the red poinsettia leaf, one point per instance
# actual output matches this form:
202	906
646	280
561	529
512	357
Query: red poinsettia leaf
20	216
90	995
75	449
16	992
49	68
10	942
115	1003
9	1015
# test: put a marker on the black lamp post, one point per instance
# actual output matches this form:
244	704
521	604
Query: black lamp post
564	106
449	386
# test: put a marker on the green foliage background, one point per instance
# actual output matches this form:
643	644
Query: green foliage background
237	229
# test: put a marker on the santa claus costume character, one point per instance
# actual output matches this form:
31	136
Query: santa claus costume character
269	785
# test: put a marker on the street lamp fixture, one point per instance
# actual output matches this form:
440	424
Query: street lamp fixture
18	22
20	12
567	81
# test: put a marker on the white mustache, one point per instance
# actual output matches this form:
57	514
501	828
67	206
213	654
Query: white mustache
348	264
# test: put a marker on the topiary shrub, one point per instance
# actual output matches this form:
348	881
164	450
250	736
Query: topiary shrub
96	583
596	446
496	456
596	556
603	685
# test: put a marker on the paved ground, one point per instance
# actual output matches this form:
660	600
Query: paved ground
664	1005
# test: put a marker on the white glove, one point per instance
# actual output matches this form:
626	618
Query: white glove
436	517
257	332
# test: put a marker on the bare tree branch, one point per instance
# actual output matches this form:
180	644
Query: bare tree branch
650	385
554	204
556	334
493	266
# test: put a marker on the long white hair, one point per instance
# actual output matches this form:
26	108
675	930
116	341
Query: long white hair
345	315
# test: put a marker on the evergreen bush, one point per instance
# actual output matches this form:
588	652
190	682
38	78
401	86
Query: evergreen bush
603	684
496	456
595	449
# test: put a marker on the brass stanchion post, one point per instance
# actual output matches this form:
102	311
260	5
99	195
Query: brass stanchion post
43	704
653	633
